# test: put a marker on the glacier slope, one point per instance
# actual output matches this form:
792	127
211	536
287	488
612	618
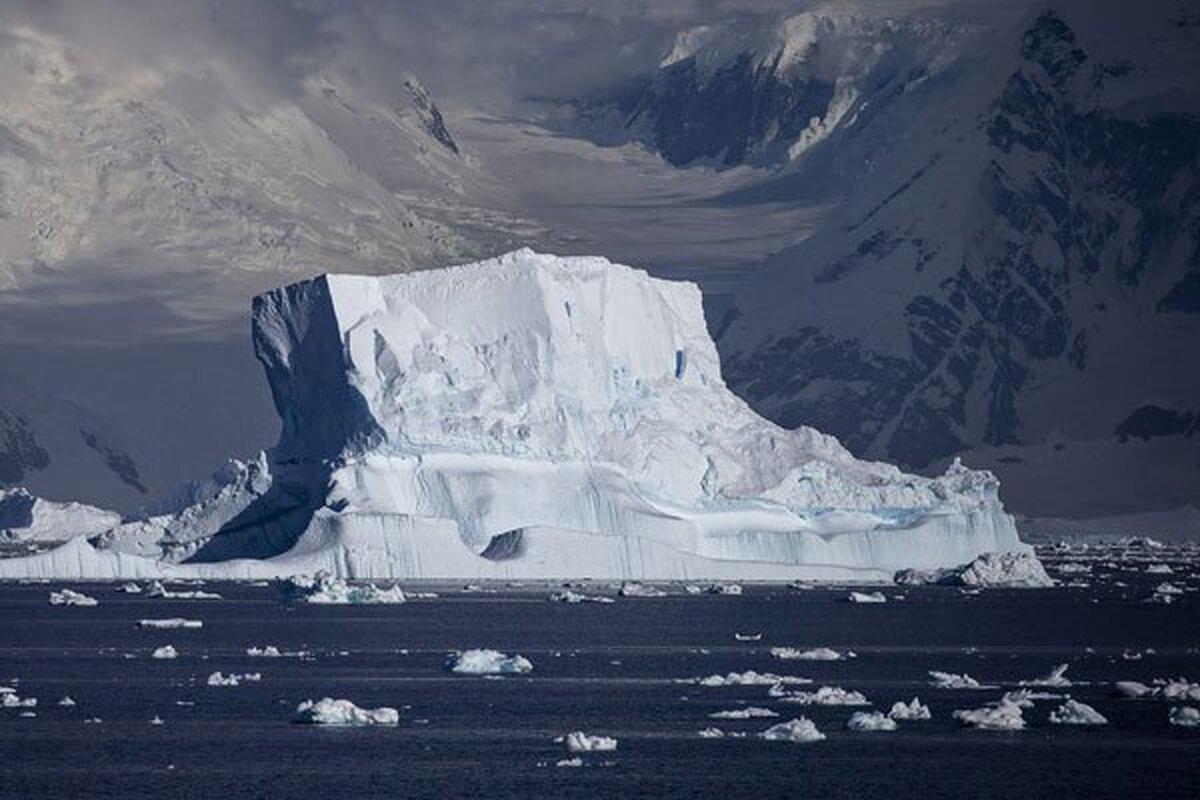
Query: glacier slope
531	416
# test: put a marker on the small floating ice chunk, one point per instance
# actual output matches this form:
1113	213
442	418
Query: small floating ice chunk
270	651
866	597
635	589
10	699
66	701
130	588
232	679
69	597
156	720
488	662
1185	717
171	623
1056	678
573	598
92	721
912	710
1073	712
1025	697
1159	569
711	733
750	712
325	589
166	651
1166	587
870	721
950	680
812	654
747	637
750	678
328	711
156	589
1177	689
828	696
1075	568
998	717
1131	689
569	762
723	588
580	742
801	729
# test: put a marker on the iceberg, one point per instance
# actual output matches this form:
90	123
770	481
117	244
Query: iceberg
165	652
827	696
813	654
911	711
328	711
1184	717
529	417
1016	569
69	597
796	730
170	623
1073	712
580	742
324	588
488	662
870	721
999	717
750	712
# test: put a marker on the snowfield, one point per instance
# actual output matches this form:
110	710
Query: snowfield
528	417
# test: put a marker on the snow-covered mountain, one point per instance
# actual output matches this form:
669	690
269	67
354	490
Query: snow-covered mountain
1010	264
539	417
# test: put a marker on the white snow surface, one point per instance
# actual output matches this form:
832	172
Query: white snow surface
488	662
531	416
328	711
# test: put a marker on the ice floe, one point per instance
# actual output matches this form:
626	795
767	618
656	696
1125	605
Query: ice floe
488	662
800	729
10	699
569	762
711	733
573	598
1184	717
157	589
866	597
997	717
1073	712
324	588
67	701
328	711
912	710
580	742
1056	678
69	597
750	678
750	712
164	652
827	696
950	680
636	589
811	654
870	721
170	623
232	679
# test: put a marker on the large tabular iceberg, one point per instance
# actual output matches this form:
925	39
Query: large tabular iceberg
531	416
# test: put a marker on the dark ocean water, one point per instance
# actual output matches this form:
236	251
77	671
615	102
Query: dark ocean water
606	669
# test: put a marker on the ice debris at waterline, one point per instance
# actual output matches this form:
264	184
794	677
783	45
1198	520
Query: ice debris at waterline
328	711
530	416
324	588
488	662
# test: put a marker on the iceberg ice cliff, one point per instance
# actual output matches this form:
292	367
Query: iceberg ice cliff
530	416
